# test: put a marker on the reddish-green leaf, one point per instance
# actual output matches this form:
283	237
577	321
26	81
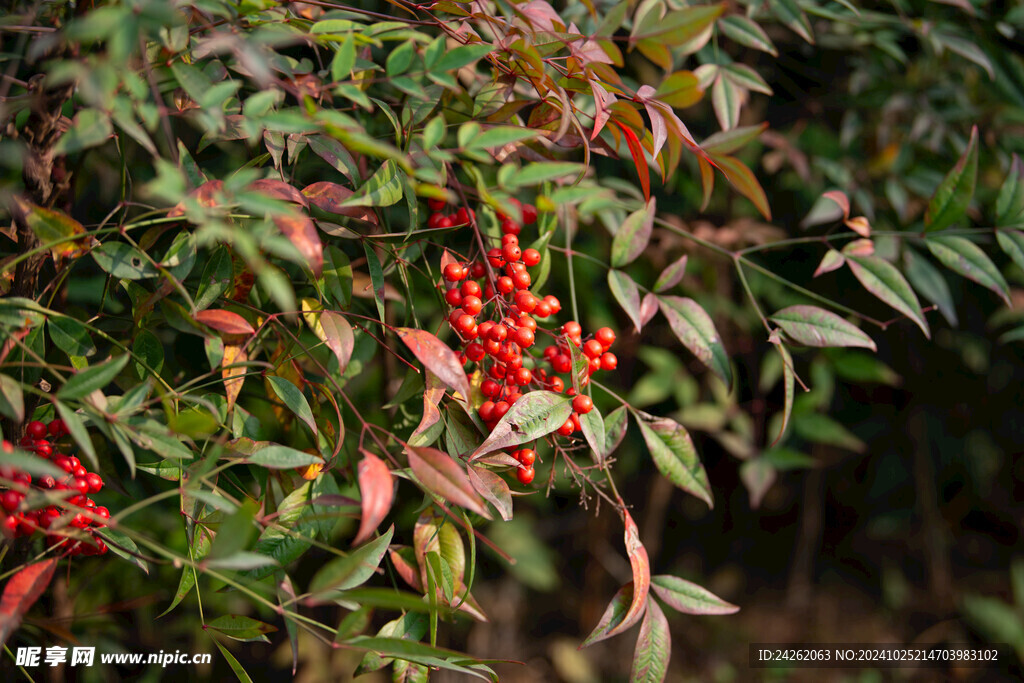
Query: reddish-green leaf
330	197
338	337
966	258
377	491
426	431
626	292
883	280
12	400
613	616
615	424
727	99
1010	203
437	357
674	455
788	381
445	478
493	488
746	32
592	426
694	328
790	14
728	141
278	189
51	226
641	566
930	282
535	415
648	308
633	235
227	322
832	260
679	90
741	177
653	647
689	598
949	203
242	628
21	592
672	275
813	326
639	160
354	569
1012	244
301	232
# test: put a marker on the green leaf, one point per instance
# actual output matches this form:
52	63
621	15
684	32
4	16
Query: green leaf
883	280
200	547
592	426
626	292
344	59
694	328
293	399
53	226
966	258
653	647
376	278
613	616
124	261
89	128
1010	203
675	456
537	173
30	463
1012	244
743	179
236	667
460	56
12	400
931	283
238	627
150	351
726	99
123	546
277	457
534	416
216	279
633	235
788	380
819	428
383	188
92	379
745	32
790	14
70	336
615	425
355	569
78	432
813	326
729	141
689	598
499	136
951	198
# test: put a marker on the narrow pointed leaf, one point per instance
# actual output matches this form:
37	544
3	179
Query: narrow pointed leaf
832	260
615	425
929	282
592	425
788	381
746	32
377	491
354	569
675	456
966	258
92	379
613	616
12	399
535	415
689	598
790	14
238	627
21	592
493	488
694	328
445	478
653	647
818	428
626	292
743	179
633	235
338	337
437	357
227	322
640	161
813	326
951	198
293	399
883	280
672	275
235	666
277	457
1010	203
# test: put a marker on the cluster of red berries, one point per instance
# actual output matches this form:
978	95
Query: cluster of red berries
78	483
499	343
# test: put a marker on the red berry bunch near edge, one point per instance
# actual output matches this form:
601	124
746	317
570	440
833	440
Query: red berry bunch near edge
496	321
75	486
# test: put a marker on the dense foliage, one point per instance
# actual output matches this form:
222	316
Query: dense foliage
304	294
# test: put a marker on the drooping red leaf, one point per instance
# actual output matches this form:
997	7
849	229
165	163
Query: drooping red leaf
832	260
338	337
493	488
445	478
21	592
641	566
329	197
278	189
228	322
404	561
50	225
602	99
637	151
301	232
612	617
437	357
376	488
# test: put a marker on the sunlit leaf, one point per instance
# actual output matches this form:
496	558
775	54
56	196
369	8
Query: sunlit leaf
653	647
445	478
535	415
689	598
813	326
377	491
745	32
675	456
355	569
293	399
437	357
493	488
21	592
238	627
92	379
228	322
695	329
626	292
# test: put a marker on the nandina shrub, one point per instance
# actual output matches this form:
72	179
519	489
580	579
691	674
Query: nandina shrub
276	267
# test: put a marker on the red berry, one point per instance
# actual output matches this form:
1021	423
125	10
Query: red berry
500	408
436	204
475	352
445	222
525	475
582	404
531	257
434	221
529	214
95	482
592	349
44	451
81	485
498	333
521	280
470	288
561	363
36	429
462	216
512	253
572	328
609	361
10	500
10	526
453	297
524	337
57	428
486	411
527	456
528	322
505	284
523	376
491	346
489	388
605	336
494	258
553	303
465	323
510	227
507	240
556	384
80	471
472	304
454	272
526	301
477	270
542	309
567	428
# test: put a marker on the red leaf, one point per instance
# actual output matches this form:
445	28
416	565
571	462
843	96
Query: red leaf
228	322
338	337
602	98
432	394
329	197
445	478
299	229
742	178
278	189
493	488
840	199
436	357
234	377
21	592
707	180
377	492
637	151
612	617
648	308
206	194
404	561
641	574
